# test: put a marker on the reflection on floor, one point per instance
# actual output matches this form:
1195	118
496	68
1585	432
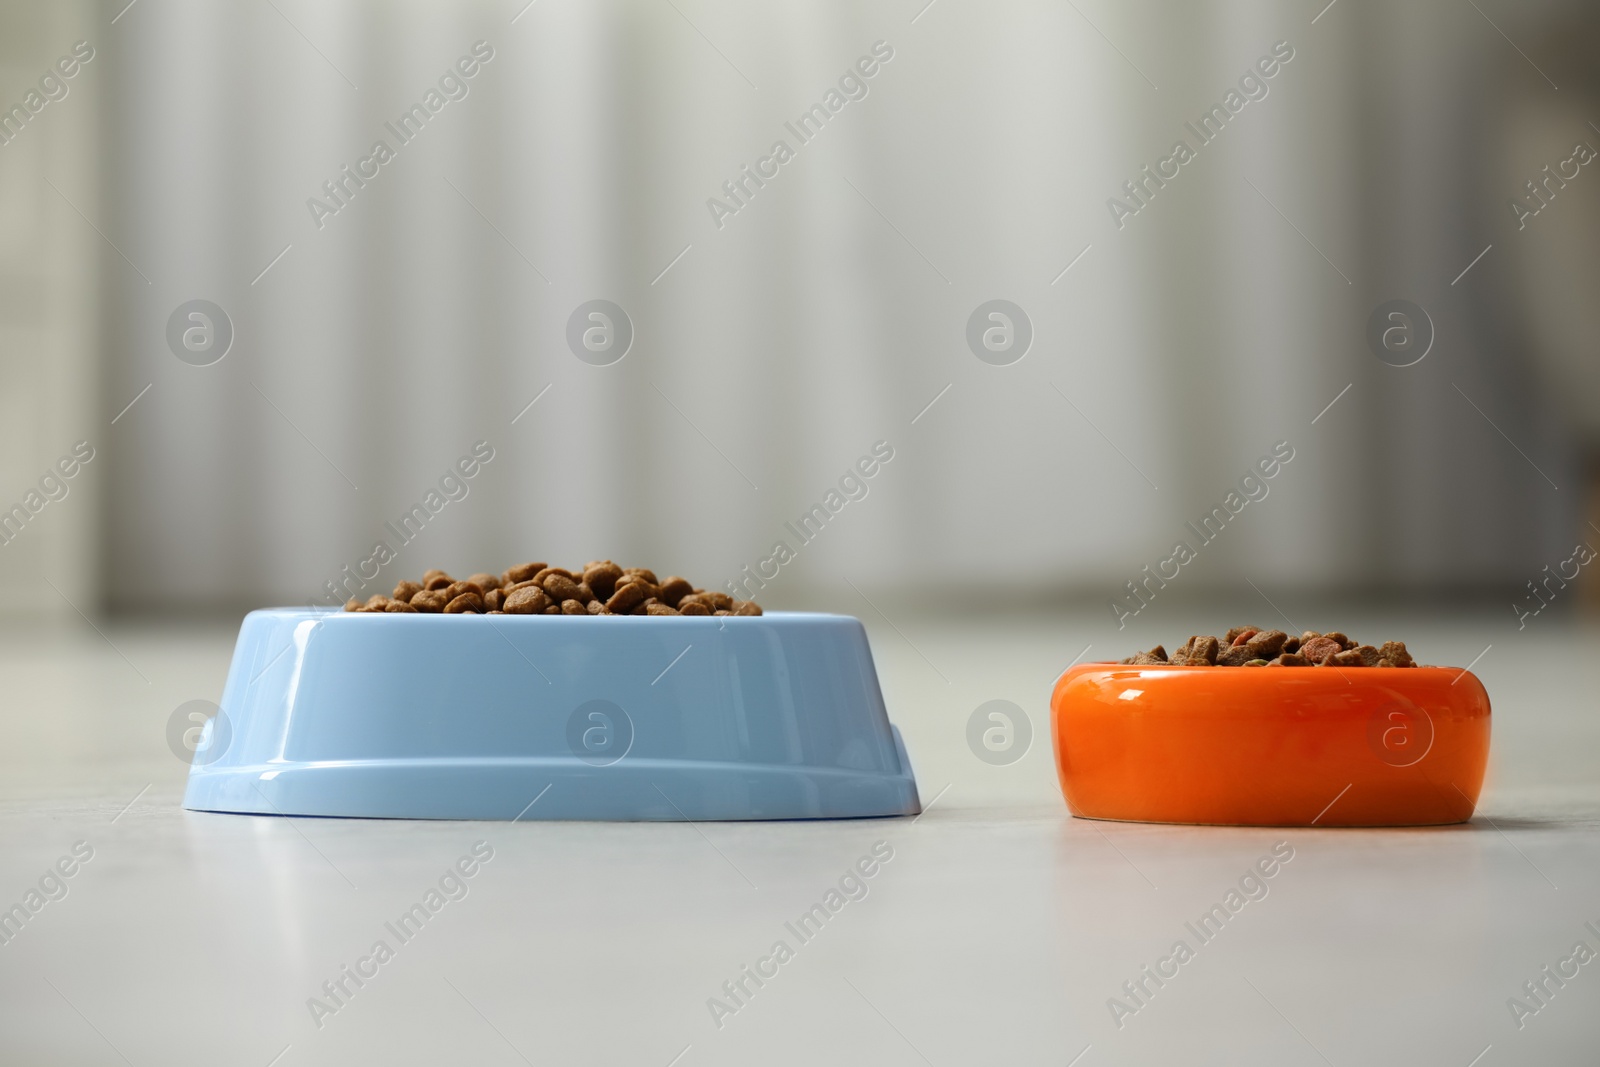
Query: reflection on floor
993	927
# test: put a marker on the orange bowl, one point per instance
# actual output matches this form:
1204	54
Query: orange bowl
1271	746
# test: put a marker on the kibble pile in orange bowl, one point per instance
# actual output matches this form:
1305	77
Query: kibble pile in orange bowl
1251	646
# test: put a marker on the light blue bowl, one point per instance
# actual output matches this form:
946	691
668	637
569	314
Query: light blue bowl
416	716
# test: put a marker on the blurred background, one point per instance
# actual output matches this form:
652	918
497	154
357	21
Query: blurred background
371	332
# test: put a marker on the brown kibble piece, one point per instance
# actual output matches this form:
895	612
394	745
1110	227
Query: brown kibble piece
548	571
455	589
1236	656
1348	658
626	598
656	607
1292	645
399	606
1319	648
602	578
468	601
1345	643
553	609
522	572
643	572
1268	644
594	607
687	606
745	607
485	582
404	591
720	611
651	590
573	607
525	600
376	601
1395	652
1369	655
438	581
429	601
675	589
1290	659
352	604
720	601
430	575
495	599
561	587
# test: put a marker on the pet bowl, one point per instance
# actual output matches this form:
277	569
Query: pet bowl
420	716
1271	746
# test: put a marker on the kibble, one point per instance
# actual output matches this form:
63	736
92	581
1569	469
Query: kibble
1251	646
431	601
563	588
455	589
599	587
624	599
675	589
601	577
465	602
522	572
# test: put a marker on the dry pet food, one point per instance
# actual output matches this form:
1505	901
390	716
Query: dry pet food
1251	646
597	588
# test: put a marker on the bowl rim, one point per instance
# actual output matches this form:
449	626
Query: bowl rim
1277	677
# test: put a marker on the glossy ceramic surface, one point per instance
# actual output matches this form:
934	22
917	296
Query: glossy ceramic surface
1270	746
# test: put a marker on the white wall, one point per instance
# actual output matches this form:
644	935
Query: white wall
824	315
48	272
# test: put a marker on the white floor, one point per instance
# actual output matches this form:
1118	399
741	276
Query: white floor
996	933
